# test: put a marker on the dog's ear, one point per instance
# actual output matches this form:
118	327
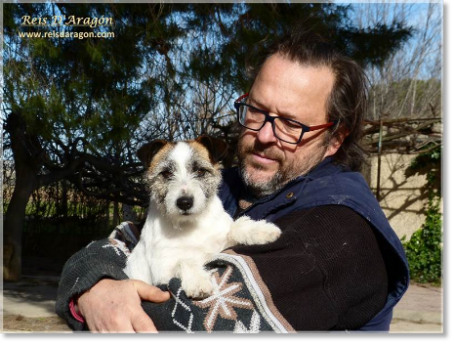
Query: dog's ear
148	151
216	147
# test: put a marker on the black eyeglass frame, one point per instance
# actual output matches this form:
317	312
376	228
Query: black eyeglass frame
271	119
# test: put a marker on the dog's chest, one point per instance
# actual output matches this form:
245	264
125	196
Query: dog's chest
166	249
209	235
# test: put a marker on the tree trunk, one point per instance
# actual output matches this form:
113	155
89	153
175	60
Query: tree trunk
26	165
14	224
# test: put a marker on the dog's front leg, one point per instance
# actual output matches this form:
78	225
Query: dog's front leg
249	232
137	266
195	280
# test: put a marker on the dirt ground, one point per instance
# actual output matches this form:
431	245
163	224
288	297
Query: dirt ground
18	323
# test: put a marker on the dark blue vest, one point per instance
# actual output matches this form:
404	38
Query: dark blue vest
330	184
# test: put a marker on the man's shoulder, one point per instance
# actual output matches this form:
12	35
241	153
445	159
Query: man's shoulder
343	187
340	182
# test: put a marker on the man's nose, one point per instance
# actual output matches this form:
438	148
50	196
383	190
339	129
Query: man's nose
266	134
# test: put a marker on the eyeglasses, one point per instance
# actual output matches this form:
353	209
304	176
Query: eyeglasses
285	129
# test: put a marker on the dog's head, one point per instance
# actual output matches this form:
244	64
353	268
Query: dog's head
183	177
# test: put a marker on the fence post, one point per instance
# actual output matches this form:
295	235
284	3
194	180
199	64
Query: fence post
379	159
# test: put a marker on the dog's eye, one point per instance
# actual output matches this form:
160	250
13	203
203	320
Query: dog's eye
201	172
166	174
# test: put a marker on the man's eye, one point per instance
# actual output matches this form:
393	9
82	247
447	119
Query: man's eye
288	125
166	174
292	125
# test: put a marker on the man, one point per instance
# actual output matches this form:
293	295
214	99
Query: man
338	264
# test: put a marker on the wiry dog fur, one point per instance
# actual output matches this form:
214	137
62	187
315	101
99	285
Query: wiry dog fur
186	224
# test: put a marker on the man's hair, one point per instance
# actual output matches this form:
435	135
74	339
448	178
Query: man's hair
347	103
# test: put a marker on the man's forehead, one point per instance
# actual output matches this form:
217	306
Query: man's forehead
291	72
288	88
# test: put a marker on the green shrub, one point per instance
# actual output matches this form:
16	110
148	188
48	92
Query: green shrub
424	249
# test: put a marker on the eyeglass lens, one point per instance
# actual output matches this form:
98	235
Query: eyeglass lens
284	129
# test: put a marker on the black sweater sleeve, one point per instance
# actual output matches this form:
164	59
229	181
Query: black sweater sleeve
326	271
101	259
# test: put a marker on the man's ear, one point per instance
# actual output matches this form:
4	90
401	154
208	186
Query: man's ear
216	147
336	141
149	150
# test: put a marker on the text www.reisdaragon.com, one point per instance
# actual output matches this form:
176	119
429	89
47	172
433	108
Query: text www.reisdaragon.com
67	34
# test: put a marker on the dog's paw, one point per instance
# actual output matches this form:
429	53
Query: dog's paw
265	232
198	287
250	232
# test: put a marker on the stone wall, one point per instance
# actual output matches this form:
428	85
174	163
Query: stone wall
402	199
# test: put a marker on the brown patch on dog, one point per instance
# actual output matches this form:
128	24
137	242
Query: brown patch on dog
201	150
160	155
216	147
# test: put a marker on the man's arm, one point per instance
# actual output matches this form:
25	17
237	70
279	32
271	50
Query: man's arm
325	272
93	282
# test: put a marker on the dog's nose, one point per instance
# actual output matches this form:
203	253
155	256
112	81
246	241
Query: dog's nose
185	202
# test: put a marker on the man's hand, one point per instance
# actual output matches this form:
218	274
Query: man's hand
115	306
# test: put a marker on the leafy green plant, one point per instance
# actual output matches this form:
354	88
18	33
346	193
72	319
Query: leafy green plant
424	249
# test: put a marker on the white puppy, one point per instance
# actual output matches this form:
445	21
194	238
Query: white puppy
186	224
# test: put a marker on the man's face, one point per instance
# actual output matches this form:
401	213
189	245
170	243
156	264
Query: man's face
288	89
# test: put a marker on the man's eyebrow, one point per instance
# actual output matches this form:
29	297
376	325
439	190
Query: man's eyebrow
260	106
256	103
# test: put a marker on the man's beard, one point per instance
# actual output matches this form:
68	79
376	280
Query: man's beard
259	189
265	188
283	175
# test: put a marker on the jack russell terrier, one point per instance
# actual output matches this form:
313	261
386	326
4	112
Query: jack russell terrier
186	224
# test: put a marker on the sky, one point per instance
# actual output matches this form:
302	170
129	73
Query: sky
424	17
